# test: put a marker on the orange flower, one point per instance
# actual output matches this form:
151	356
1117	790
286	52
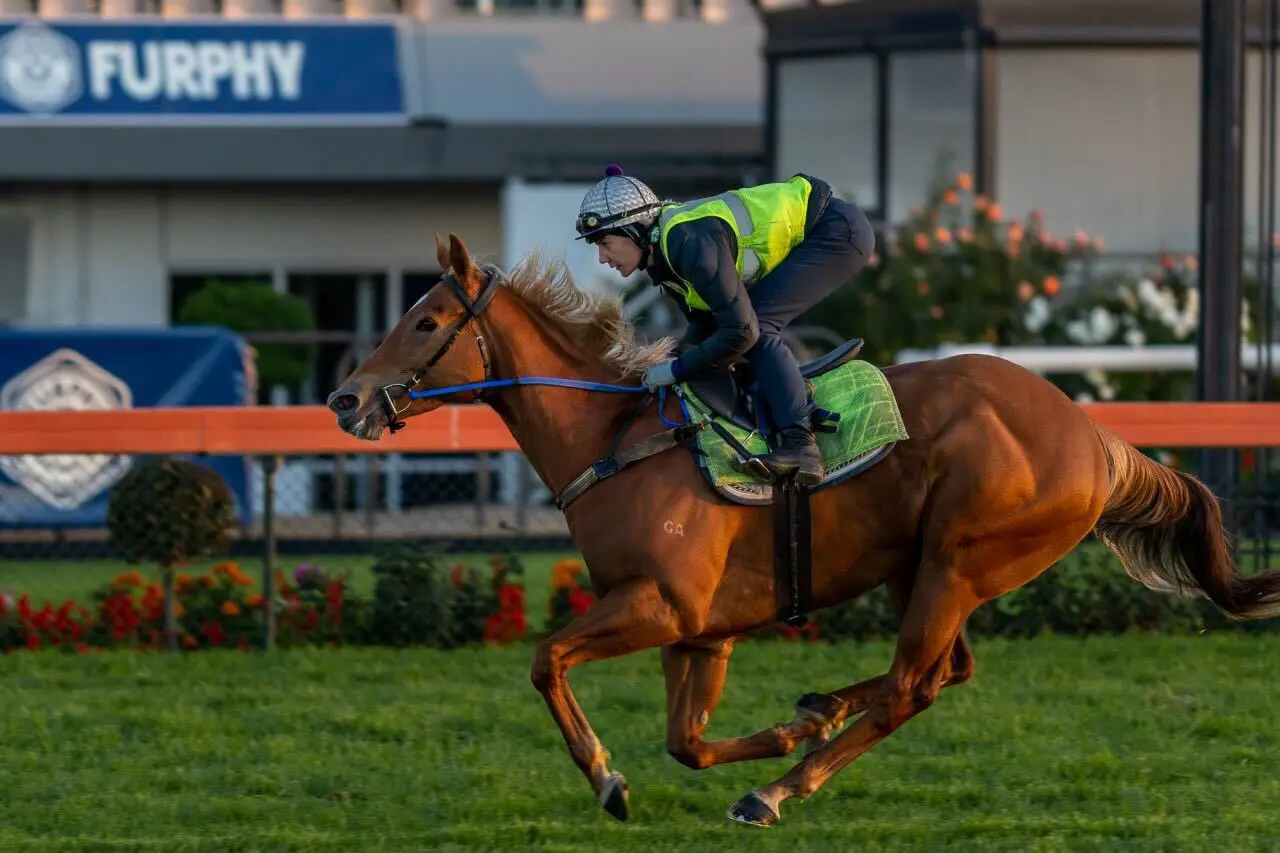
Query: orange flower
950	197
922	287
178	610
189	642
936	312
1015	233
993	213
127	579
206	581
980	203
922	243
1025	290
1052	286
964	181
253	600
964	235
564	575
942	235
230	608
1191	262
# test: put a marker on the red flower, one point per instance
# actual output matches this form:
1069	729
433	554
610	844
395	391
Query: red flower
510	598
579	600
213	631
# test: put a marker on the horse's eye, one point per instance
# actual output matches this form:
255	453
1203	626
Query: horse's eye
426	324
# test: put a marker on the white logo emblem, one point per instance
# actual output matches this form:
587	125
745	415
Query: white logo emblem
65	380
40	69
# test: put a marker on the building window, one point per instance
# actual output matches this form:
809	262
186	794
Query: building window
932	120
826	124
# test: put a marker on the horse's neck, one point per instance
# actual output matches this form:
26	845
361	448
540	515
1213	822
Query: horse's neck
559	433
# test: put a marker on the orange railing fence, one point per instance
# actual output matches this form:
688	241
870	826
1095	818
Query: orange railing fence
460	441
295	430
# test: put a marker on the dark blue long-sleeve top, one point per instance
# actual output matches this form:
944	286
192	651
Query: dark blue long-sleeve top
704	253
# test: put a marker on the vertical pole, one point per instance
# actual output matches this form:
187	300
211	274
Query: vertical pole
1222	54
269	466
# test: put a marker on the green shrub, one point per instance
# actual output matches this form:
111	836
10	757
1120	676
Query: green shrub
1086	594
956	270
170	512
417	602
257	307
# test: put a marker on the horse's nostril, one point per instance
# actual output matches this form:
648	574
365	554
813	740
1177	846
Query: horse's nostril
345	402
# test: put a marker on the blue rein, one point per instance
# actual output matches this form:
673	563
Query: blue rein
579	384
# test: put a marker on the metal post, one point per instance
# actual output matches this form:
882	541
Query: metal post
1222	54
269	466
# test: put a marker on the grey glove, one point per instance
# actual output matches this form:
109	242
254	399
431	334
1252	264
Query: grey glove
659	374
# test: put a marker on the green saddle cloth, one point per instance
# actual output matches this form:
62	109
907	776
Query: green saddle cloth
869	421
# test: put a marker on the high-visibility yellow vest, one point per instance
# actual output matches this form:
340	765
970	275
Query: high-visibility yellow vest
768	221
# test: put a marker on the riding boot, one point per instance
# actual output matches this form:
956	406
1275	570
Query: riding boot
796	452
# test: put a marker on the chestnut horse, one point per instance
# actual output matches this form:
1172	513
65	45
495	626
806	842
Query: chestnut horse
1002	476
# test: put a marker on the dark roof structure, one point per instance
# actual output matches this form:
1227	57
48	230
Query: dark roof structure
886	25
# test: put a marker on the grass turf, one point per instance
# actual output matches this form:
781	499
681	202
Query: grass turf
1135	743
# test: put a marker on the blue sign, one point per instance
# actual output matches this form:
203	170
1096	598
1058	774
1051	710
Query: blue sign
109	72
103	369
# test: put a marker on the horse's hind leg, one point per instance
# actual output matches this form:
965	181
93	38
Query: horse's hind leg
695	673
940	604
828	711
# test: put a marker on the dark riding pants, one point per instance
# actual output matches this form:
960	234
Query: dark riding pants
837	247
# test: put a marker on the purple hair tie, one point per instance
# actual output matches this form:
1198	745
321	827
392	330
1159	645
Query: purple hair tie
612	170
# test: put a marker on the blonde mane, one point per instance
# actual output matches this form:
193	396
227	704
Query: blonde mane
597	321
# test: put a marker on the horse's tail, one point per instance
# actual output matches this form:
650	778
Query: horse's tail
1166	527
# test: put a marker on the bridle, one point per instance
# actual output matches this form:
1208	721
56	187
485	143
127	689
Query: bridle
616	459
474	308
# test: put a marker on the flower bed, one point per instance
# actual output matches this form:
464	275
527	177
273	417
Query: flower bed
415	602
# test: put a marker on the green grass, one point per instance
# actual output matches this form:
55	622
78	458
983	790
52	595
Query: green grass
1132	744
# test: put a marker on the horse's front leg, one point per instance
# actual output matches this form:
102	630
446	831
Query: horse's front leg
629	618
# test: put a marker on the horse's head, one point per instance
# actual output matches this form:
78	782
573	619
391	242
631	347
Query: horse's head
435	345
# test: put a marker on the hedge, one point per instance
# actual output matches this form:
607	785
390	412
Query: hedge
419	601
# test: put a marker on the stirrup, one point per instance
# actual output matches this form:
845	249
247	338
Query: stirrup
755	466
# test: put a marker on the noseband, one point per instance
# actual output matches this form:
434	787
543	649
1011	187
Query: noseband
473	309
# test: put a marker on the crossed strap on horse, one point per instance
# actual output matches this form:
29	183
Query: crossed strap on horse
792	526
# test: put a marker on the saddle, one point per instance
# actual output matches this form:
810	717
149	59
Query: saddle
732	393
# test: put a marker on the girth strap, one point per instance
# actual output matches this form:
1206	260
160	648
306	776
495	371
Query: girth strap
792	554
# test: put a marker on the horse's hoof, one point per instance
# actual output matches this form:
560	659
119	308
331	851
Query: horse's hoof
613	797
822	704
826	711
752	811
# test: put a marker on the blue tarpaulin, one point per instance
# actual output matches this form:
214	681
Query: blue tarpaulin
95	368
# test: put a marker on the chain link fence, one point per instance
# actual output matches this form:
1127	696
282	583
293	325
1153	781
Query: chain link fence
322	504
53	507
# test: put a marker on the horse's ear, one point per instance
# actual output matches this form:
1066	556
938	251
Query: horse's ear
442	252
459	257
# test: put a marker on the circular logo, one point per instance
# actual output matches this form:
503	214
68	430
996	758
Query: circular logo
39	69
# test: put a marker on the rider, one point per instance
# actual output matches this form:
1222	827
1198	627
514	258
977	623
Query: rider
742	265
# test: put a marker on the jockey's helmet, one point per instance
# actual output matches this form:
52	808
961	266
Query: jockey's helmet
617	204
